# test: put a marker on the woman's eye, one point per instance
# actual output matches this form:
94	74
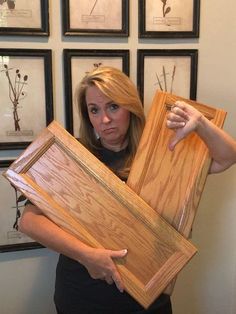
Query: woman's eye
93	110
114	107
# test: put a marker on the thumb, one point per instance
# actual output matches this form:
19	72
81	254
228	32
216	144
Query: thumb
119	254
174	141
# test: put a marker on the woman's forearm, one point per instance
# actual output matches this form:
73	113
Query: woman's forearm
185	119
44	231
99	262
222	147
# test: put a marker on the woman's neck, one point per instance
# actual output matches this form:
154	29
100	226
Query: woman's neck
116	147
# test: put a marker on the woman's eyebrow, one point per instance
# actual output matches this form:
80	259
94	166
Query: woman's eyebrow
94	104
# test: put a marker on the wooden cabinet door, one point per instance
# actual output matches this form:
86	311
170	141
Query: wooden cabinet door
76	191
172	182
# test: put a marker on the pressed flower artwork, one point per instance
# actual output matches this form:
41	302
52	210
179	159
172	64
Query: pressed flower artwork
169	18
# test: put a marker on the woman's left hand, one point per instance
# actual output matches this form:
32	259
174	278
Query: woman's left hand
183	119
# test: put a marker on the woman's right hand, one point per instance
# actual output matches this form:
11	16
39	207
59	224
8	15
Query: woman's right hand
100	265
99	262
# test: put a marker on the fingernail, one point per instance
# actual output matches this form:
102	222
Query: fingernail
125	251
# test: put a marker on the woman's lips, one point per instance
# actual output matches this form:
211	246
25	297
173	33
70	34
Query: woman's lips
109	130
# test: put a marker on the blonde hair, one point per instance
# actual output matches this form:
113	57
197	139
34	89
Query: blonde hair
117	86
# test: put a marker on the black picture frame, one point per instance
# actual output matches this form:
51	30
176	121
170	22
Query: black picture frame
162	26
10	238
26	86
119	28
26	19
81	61
163	75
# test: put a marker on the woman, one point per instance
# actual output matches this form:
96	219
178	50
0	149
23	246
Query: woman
87	280
185	119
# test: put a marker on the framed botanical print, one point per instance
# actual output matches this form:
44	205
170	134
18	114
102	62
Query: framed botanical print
26	95
24	17
169	18
95	17
78	62
11	205
170	70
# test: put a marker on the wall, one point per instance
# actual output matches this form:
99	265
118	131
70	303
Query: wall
207	285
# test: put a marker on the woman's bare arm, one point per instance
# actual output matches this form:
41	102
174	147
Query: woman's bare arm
99	262
185	119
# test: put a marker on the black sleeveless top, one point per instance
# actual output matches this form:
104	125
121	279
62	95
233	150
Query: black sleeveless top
77	293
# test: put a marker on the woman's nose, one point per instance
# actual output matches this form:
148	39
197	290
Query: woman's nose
105	118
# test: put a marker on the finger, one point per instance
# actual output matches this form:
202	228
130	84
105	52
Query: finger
177	110
174	141
109	280
175	124
118	281
175	117
119	254
181	104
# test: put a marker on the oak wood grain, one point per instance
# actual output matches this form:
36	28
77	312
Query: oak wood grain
172	182
80	194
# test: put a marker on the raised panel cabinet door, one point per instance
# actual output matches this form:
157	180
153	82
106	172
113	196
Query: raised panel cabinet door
80	194
172	182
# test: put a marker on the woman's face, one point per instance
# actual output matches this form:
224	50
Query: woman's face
110	121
